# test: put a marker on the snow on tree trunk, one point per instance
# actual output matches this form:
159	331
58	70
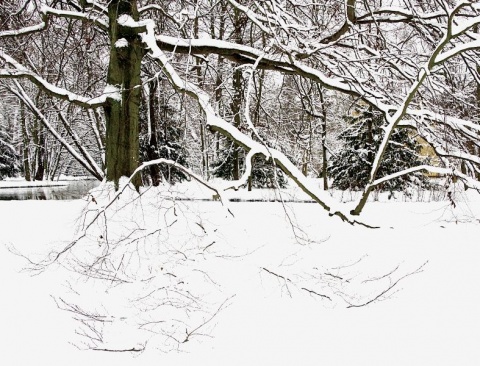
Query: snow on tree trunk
123	104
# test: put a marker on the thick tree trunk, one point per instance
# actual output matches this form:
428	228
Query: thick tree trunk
123	107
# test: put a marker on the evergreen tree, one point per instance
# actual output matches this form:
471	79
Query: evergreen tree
9	159
350	168
162	140
264	175
168	146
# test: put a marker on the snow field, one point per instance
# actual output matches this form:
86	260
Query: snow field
428	318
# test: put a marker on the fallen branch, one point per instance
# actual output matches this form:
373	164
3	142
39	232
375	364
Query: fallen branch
133	349
418	270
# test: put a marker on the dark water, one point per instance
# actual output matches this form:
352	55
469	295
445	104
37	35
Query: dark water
72	190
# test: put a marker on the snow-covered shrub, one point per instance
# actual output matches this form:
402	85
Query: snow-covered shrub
350	168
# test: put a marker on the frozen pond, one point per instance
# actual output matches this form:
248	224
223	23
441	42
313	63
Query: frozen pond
69	190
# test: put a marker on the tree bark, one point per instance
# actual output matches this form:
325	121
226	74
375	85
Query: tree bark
122	108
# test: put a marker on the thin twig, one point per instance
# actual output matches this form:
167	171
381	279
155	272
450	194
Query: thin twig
418	270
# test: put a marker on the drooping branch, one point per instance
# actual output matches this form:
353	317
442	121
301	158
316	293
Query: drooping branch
126	184
18	71
457	129
430	169
183	169
218	124
78	143
86	160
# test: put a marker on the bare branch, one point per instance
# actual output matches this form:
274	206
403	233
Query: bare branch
389	288
20	71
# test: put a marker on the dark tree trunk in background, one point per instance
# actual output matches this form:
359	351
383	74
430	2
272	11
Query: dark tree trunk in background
25	143
324	141
237	94
237	118
152	146
39	152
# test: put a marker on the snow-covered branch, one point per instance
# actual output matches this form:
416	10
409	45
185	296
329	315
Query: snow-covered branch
88	16
403	107
18	71
46	12
454	147
218	191
86	160
249	55
218	124
24	31
430	169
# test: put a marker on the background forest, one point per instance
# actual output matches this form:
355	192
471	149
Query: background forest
320	72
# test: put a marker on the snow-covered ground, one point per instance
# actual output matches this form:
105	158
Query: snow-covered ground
273	265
